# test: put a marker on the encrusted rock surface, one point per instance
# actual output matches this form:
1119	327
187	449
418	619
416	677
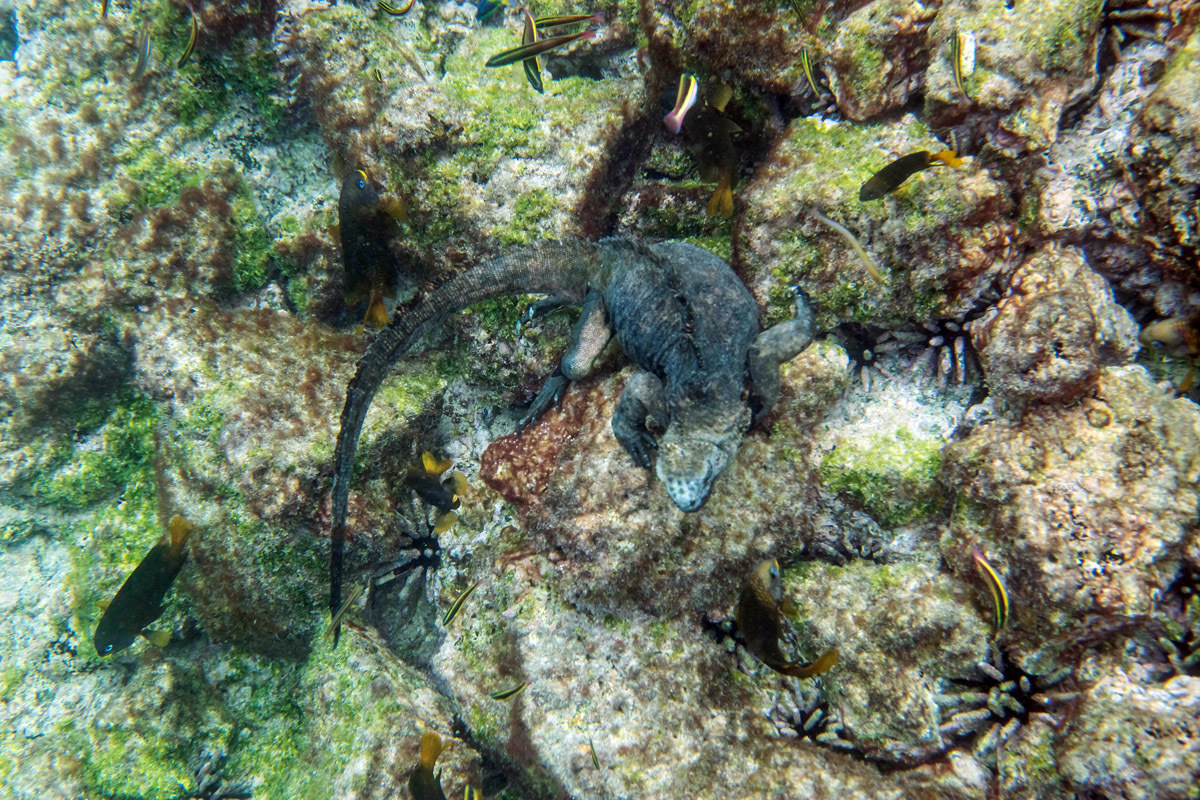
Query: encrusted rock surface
1049	337
173	339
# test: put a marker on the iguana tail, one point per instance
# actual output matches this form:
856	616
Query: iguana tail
561	269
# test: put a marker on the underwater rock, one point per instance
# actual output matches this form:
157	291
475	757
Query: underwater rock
940	240
611	529
1134	740
1164	164
1083	509
1032	61
879	55
1048	338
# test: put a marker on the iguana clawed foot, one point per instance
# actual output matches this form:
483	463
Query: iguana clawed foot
552	393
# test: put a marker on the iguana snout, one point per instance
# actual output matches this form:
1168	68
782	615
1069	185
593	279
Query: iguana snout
692	455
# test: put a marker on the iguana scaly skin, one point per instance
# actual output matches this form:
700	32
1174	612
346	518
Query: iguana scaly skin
677	311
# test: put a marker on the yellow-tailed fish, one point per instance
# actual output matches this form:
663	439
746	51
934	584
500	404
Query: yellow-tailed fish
139	601
506	694
999	594
525	51
532	66
394	11
336	621
760	625
708	135
423	784
890	177
457	605
862	254
193	36
685	98
442	492
364	229
143	53
806	65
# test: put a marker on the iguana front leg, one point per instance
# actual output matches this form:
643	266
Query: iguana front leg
589	337
771	349
641	399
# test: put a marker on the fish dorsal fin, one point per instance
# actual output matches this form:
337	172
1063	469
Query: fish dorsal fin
180	529
431	748
720	97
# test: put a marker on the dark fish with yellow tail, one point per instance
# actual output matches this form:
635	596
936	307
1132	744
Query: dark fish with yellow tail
423	784
708	135
760	623
890	177
365	228
1177	338
139	601
441	491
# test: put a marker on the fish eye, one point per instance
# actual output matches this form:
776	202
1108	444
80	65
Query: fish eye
362	184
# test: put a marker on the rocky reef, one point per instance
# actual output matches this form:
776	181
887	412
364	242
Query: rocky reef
174	339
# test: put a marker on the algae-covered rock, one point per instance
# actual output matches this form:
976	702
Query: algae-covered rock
1082	509
1054	331
878	56
1031	62
939	239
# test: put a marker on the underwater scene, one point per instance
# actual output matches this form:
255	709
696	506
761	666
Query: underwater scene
778	399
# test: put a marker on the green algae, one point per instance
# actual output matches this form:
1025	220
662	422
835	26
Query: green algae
254	250
530	213
117	454
893	475
158	178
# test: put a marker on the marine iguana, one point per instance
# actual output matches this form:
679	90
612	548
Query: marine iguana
677	311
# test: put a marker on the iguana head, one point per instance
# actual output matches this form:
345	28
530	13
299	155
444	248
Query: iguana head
697	446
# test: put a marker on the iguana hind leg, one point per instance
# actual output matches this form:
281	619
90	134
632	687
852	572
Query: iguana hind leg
771	349
641	399
589	337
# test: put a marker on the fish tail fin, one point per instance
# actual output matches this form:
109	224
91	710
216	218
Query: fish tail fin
822	664
1189	379
721	204
460	483
947	157
720	97
159	639
377	316
431	748
444	522
180	530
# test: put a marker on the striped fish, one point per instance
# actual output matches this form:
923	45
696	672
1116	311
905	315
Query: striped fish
999	594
